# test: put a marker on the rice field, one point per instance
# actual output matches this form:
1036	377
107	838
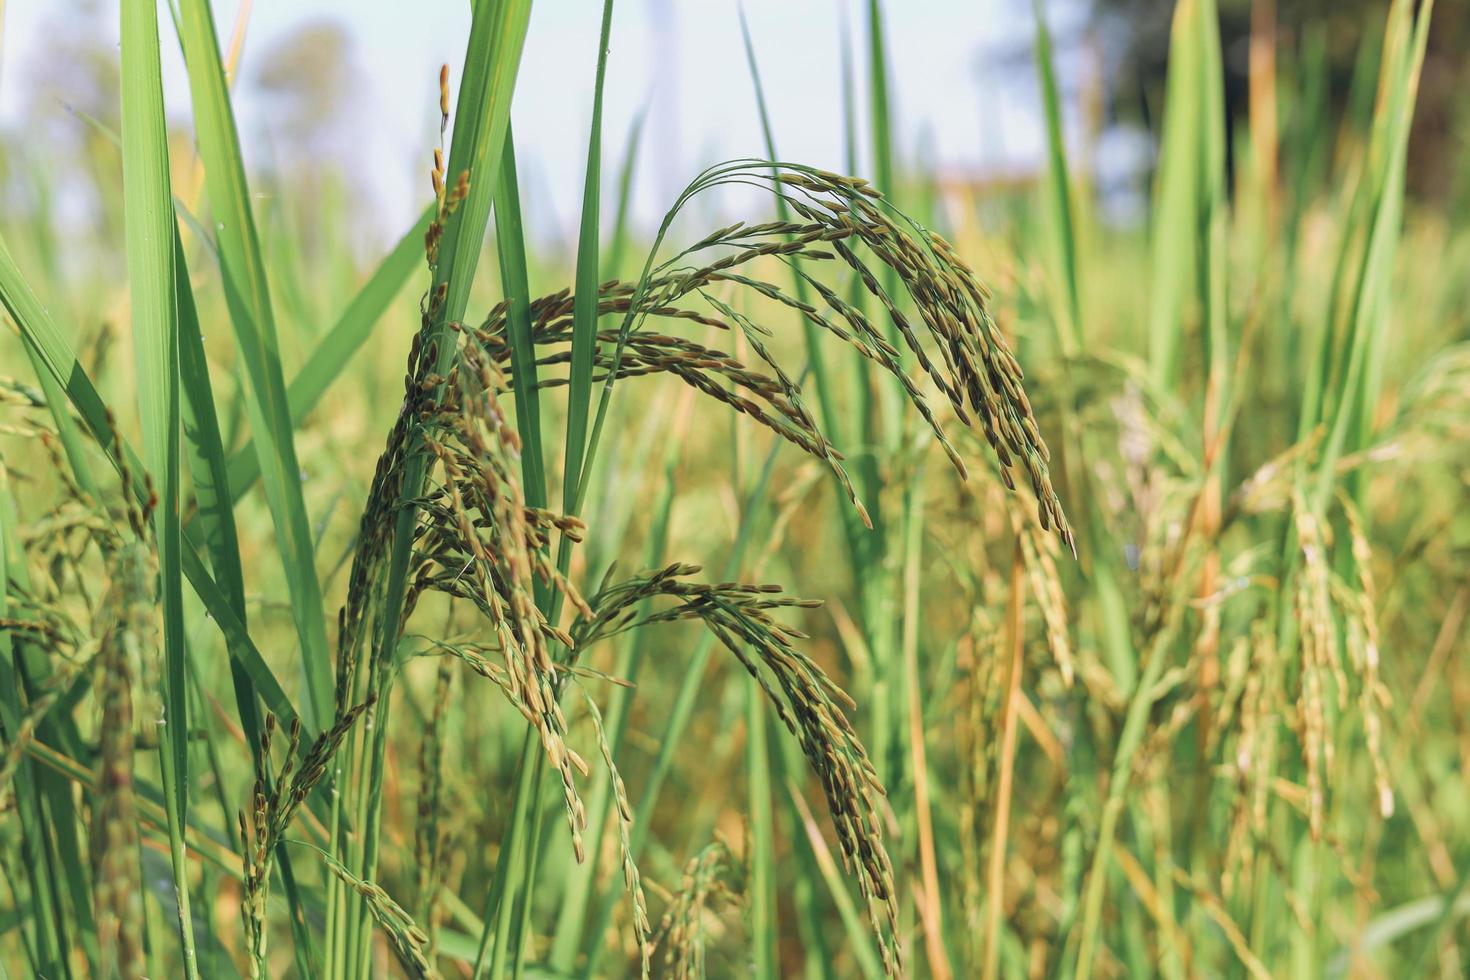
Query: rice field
885	578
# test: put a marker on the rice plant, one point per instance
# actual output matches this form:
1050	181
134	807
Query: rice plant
1143	662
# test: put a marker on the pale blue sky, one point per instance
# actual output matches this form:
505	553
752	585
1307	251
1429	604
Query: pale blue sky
956	92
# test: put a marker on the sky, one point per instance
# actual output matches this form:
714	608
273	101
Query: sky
965	98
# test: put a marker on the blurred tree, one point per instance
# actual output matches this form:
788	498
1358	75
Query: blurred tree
308	77
314	166
1440	154
71	104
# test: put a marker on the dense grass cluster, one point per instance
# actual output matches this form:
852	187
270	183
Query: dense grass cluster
1185	699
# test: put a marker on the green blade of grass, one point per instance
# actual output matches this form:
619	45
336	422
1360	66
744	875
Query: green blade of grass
881	119
1059	193
1174	220
859	938
1211	193
149	220
510	245
148	204
1135	726
60	807
481	120
510	248
237	638
817	954
66	426
337	347
1362	382
1070	325
539	828
762	884
878	98
1388	926
206	456
932	921
867	461
204	844
584	308
761	835
1325	348
207	466
1367	73
247	295
1105	571
53	802
498	915
881	406
55	358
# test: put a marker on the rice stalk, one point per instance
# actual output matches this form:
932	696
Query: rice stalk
274	799
712	874
408	943
632	880
428	833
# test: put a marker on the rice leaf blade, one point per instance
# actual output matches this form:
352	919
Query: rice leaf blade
515	287
1058	192
149	221
762	834
55	356
247	294
584	310
1174	219
334	352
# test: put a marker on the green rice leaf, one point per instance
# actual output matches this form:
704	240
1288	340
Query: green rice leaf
515	287
148	209
584	309
336	350
51	350
1059	193
247	295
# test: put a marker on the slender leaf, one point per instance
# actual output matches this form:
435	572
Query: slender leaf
148	208
514	284
1059	196
247	295
51	350
584	309
336	349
